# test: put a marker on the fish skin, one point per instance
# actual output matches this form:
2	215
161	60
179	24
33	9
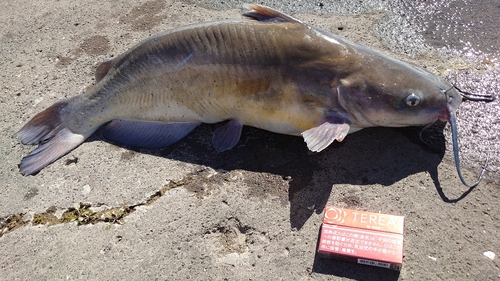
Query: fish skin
268	71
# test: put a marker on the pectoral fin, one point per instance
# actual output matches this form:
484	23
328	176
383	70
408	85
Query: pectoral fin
318	138
227	136
143	134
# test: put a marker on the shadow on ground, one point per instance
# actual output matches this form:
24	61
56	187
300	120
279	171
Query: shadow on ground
371	156
353	271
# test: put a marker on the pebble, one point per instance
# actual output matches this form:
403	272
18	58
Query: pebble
489	254
86	189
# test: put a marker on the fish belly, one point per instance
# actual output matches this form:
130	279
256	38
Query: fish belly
211	94
256	102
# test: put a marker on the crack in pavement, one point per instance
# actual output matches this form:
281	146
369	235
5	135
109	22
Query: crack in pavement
85	214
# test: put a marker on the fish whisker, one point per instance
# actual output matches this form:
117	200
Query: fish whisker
474	97
420	135
454	137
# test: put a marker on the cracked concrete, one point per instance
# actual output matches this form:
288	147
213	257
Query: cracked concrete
82	214
105	212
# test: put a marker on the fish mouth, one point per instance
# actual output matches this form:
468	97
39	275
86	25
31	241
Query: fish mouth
445	117
451	117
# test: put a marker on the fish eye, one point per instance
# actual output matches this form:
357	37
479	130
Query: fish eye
412	99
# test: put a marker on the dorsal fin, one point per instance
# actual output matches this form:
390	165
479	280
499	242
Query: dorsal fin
266	14
102	70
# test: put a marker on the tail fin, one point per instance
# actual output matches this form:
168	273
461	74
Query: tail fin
48	130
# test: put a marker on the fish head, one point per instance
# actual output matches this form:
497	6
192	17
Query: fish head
391	93
396	94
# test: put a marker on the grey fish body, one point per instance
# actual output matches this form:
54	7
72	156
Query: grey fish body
219	71
271	72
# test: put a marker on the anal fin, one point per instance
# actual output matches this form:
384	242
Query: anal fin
144	134
227	136
320	137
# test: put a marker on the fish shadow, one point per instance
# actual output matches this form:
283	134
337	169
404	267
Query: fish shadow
372	156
